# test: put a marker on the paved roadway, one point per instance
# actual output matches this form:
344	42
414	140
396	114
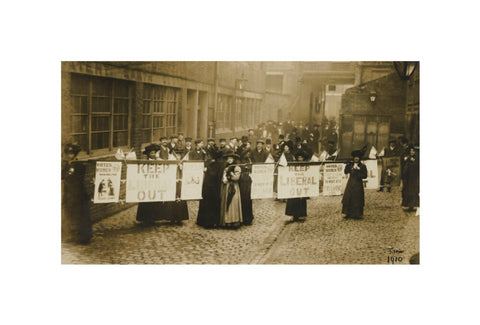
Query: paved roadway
386	233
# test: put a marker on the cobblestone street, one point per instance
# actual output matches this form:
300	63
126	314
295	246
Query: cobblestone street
324	238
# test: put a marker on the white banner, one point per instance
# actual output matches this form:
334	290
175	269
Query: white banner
372	181
192	180
107	182
262	181
298	181
151	182
334	179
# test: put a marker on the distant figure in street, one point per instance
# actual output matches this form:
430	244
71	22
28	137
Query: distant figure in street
76	222
354	197
297	207
410	179
230	200
386	179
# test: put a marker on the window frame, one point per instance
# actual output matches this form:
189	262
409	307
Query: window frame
90	114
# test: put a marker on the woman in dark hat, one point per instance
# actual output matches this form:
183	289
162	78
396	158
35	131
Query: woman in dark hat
297	207
76	222
410	180
230	199
354	197
209	206
148	212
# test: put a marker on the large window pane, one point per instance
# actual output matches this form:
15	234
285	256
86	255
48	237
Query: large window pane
120	138
157	121
101	104
80	104
121	89
101	123
157	107
102	87
80	84
100	140
79	123
146	106
120	106
146	121
120	122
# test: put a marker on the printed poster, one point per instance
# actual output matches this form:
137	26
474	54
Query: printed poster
192	180
262	181
391	168
151	181
107	181
334	179
300	180
371	182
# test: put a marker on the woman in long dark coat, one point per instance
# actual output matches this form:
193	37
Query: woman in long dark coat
245	184
231	202
76	222
354	197
175	211
297	207
148	212
209	206
410	179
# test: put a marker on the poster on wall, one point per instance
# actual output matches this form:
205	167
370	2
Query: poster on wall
334	179
262	181
151	181
192	180
107	181
391	169
300	180
372	182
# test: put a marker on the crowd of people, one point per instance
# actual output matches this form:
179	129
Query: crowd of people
226	200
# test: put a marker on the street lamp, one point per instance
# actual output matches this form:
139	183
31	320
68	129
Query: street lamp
373	97
405	69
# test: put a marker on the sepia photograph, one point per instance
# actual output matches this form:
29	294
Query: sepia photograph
233	163
248	162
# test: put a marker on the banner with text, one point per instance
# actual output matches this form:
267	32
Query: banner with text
391	170
151	182
107	182
298	181
262	181
192	180
334	179
372	181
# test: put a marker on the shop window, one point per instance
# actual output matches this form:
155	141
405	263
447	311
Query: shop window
160	105
100	112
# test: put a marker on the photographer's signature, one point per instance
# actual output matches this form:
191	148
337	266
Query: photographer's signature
394	256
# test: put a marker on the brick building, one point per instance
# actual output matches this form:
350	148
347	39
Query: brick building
111	105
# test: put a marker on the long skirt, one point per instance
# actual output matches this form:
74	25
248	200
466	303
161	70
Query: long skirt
353	199
208	212
231	215
245	184
296	207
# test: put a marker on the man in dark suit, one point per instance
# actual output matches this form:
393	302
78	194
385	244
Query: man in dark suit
259	154
198	153
163	150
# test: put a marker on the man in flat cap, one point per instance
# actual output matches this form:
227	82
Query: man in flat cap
259	154
198	153
163	151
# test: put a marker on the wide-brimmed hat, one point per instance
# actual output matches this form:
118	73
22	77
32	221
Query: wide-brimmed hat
357	153
151	147
210	140
301	153
244	138
230	153
260	141
188	139
72	148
